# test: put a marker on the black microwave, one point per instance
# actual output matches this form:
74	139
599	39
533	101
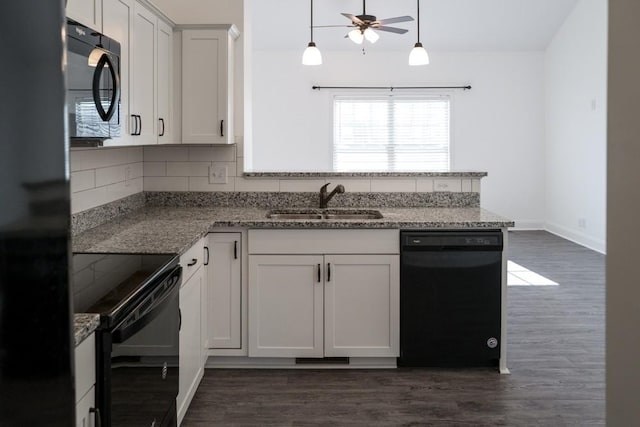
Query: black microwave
93	86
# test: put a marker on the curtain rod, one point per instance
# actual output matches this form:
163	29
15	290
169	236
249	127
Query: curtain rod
391	88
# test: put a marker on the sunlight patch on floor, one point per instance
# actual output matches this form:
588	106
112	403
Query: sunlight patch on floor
518	275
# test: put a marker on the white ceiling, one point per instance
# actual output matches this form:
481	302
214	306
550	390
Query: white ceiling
445	25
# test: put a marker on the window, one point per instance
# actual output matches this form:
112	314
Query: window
391	133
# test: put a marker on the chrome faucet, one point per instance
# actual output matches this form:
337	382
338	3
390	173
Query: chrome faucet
324	197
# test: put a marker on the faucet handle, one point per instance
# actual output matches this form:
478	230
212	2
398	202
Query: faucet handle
324	187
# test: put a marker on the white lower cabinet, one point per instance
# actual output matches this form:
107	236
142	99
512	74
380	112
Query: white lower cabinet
191	348
224	286
361	306
323	305
285	306
86	415
85	371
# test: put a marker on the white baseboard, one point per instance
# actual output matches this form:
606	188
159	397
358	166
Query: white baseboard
578	237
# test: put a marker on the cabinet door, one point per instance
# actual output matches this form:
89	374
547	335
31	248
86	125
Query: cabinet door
285	306
362	306
191	368
165	83
205	116
117	18
143	77
224	290
85	410
86	12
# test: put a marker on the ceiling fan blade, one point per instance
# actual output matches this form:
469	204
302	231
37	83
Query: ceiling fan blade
353	18
395	20
333	26
392	29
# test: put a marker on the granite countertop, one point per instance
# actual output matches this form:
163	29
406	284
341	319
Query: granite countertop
176	229
83	325
285	175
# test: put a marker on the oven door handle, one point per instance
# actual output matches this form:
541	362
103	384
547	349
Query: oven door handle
135	321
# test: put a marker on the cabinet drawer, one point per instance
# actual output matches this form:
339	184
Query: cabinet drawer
85	366
192	260
324	241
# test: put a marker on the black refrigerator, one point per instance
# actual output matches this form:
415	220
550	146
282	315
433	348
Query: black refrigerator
36	345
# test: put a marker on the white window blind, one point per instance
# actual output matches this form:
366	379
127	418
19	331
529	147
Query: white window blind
391	133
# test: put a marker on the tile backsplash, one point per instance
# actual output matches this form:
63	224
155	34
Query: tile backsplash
104	175
187	169
100	176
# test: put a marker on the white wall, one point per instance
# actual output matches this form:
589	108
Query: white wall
576	124
497	127
623	256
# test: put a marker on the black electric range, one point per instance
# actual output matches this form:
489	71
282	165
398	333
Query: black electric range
137	297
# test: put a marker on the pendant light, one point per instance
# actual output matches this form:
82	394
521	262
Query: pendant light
311	55
418	55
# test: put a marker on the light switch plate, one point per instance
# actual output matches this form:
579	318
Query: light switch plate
218	174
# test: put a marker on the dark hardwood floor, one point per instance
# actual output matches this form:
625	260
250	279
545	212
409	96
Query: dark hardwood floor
556	358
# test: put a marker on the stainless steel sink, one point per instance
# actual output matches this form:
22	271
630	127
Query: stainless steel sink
328	214
294	216
347	213
354	216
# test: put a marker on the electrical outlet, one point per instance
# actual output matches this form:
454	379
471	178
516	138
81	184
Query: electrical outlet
218	174
127	176
582	223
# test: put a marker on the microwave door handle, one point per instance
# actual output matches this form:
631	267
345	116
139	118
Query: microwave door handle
102	62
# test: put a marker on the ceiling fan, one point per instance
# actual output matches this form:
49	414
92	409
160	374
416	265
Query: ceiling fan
364	24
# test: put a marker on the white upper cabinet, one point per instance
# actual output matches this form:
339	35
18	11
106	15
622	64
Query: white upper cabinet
146	69
207	85
117	19
164	65
86	12
143	76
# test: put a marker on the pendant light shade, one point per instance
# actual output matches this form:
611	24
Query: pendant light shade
356	36
371	35
418	55
311	55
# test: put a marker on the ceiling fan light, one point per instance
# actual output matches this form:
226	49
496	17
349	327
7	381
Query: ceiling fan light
312	55
356	36
371	35
418	55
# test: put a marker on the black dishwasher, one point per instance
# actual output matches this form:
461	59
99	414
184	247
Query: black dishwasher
450	298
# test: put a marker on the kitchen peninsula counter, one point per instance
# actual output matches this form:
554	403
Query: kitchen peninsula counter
176	229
